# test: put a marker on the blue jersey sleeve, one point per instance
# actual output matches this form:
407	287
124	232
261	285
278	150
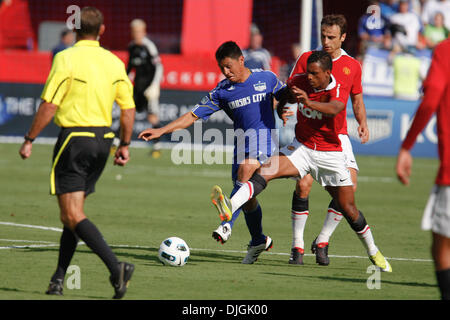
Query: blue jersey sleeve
207	106
278	86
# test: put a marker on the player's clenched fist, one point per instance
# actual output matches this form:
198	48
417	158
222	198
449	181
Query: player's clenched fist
25	150
300	95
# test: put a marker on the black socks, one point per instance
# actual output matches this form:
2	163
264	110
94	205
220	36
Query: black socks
67	245
89	233
443	278
299	204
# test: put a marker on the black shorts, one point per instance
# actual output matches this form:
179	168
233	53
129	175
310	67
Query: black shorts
79	157
140	100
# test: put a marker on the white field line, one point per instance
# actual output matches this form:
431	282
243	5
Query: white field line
32	241
30	226
50	244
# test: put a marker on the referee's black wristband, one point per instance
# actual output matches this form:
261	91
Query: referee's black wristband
124	143
27	138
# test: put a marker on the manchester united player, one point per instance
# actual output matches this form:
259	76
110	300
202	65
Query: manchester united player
316	150
437	215
347	71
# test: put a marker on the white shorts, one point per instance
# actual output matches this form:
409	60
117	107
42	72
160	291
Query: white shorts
436	216
350	160
326	167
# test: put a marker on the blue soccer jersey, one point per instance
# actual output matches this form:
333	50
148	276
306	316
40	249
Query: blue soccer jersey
250	105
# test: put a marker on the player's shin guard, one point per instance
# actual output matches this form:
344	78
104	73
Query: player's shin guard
363	232
333	218
250	189
299	215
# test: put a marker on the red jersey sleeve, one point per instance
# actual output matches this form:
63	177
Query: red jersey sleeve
339	93
433	87
300	65
357	79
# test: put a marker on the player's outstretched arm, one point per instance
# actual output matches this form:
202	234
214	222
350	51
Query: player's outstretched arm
182	122
44	115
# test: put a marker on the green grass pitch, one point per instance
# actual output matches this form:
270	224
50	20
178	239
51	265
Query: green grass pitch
138	206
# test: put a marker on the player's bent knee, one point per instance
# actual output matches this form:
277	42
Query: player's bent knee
303	187
71	220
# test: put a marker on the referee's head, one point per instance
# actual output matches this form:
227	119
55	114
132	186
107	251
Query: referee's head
91	23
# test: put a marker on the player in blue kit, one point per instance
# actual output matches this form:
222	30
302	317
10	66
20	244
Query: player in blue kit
246	96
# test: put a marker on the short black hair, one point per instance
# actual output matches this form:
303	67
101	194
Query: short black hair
321	57
228	49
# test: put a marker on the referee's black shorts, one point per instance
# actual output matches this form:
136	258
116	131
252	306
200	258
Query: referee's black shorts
79	157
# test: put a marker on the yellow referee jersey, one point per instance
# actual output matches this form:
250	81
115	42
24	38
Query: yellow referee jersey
84	82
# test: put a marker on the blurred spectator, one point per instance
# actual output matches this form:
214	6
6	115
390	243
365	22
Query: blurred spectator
388	8
256	57
286	69
407	76
373	31
416	6
430	9
435	32
67	40
406	28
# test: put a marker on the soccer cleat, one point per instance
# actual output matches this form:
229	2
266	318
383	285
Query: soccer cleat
55	288
253	252
222	203
321	252
296	256
120	287
380	261
222	233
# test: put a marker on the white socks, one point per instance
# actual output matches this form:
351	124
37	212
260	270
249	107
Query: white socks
367	240
329	225
298	227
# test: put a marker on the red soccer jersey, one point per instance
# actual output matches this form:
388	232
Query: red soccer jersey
315	129
436	98
347	71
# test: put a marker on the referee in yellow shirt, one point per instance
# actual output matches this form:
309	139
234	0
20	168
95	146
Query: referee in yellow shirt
81	88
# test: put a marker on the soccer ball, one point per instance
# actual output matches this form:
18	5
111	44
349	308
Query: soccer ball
173	252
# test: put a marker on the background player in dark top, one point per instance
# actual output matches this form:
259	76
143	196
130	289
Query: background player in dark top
146	69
